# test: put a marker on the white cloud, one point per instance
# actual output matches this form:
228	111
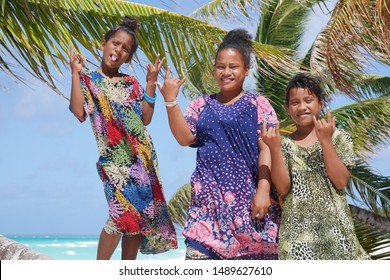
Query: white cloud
38	102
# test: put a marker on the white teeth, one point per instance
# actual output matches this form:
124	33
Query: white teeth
113	58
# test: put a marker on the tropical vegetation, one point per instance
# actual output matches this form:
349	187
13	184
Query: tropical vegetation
35	35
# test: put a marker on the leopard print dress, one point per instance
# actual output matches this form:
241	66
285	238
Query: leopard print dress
316	220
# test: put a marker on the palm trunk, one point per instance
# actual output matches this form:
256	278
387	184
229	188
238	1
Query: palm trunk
369	218
12	250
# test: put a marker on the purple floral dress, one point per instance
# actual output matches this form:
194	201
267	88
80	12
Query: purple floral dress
225	179
128	163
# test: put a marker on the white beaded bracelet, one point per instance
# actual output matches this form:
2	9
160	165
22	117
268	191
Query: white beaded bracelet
171	103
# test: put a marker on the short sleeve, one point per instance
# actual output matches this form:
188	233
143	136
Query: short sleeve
88	100
286	152
193	112
344	147
140	93
137	95
265	112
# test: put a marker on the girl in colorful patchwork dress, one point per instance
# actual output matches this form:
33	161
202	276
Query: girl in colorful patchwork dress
311	167
119	109
234	213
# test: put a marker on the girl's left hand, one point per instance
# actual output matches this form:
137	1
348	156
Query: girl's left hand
325	128
154	69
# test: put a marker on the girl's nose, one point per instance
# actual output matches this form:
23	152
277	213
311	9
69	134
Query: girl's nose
226	71
302	106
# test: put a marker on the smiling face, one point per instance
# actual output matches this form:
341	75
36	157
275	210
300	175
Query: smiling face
303	105
230	71
117	49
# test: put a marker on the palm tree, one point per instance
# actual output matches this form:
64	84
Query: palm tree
36	34
12	250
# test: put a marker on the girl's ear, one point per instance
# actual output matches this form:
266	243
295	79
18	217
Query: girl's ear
322	103
247	71
102	45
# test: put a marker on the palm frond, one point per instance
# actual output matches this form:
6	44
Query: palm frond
282	23
179	204
367	121
374	241
226	9
373	232
371	86
369	189
358	30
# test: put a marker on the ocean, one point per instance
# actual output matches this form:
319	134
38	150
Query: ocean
84	247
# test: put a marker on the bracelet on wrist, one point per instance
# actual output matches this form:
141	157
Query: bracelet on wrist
150	99
171	103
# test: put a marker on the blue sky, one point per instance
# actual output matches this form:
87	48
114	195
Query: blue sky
49	183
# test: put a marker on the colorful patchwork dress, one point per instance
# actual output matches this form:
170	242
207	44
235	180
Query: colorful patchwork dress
225	180
316	220
127	164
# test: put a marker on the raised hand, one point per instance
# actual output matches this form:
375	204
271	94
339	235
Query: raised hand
76	61
154	69
171	86
271	136
325	128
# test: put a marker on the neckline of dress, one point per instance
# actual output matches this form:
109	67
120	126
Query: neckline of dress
214	97
302	147
106	79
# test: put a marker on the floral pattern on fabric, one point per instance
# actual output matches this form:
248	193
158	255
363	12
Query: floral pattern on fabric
226	176
128	163
316	220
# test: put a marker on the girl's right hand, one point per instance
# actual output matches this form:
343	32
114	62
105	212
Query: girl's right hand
171	86
76	61
271	136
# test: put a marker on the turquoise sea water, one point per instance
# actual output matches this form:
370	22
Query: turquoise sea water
84	247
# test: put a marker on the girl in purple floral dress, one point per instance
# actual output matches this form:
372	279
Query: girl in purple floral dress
234	213
119	109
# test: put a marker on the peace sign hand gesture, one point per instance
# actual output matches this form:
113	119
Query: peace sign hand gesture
325	128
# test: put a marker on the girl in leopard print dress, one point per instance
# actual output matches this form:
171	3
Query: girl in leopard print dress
311	167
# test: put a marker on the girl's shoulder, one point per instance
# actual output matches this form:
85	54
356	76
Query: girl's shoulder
342	134
130	79
254	95
257	99
286	139
197	104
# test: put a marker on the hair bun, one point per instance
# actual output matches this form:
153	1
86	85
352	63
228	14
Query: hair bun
131	23
239	35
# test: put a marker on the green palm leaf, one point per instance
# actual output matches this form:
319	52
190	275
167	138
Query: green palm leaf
369	188
373	241
226	8
179	203
368	122
371	86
